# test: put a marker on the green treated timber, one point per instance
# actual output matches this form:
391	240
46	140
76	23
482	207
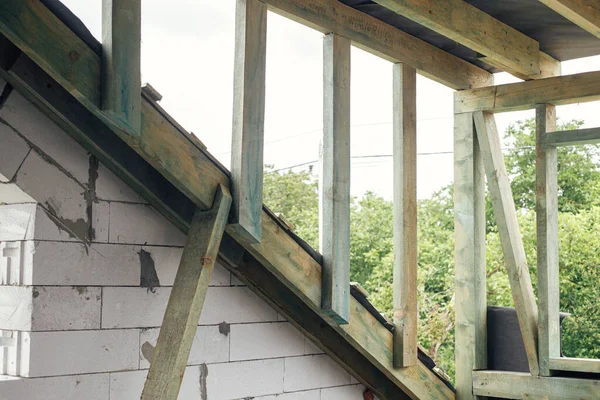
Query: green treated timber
572	138
195	175
186	300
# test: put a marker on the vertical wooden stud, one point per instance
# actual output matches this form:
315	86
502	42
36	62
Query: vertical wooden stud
121	43
546	206
334	210
186	300
510	235
248	118
405	216
469	255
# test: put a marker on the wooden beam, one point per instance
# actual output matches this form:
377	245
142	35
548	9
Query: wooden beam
546	208
510	235
585	13
121	59
248	118
186	300
473	28
469	255
566	89
549	67
406	319
383	40
573	138
575	364
334	190
519	385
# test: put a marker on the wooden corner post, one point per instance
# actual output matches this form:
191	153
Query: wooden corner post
405	216
121	57
469	255
248	118
186	300
334	207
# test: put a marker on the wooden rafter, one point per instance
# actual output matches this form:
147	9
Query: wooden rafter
585	13
503	45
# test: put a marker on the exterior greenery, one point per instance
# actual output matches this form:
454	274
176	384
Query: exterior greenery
295	194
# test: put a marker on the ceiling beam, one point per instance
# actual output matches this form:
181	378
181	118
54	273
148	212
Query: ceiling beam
504	46
585	13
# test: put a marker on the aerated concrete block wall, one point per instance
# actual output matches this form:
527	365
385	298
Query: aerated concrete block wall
85	273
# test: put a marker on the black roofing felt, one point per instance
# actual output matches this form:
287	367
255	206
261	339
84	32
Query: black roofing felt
558	36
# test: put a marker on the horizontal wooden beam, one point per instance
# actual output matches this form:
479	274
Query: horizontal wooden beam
548	68
520	385
585	13
383	40
575	364
567	89
473	28
572	138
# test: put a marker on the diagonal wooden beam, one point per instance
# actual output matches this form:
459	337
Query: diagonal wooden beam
186	300
510	235
471	27
585	13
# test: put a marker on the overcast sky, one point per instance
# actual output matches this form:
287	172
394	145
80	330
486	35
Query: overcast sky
187	55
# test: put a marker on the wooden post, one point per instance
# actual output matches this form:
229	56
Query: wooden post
469	255
334	210
248	118
546	207
510	235
121	76
405	216
185	302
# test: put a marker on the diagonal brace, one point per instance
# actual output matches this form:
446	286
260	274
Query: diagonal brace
186	300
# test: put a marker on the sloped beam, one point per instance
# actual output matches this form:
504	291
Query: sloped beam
510	235
406	319
334	190
383	40
186	300
585	13
475	29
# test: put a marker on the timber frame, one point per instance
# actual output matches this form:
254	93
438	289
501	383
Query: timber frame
135	138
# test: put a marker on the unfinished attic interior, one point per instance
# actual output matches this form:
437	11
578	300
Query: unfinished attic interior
133	265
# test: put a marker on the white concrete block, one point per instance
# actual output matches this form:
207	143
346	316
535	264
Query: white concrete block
303	395
310	347
129	385
48	227
12	152
72	387
65	308
311	372
354	392
110	187
46	135
100	221
83	352
16	305
14	353
267	340
17	221
60	194
59	263
16	262
235	305
142	224
238	380
126	307
211	345
10	193
236	282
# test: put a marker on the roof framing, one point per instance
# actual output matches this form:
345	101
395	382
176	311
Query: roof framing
585	13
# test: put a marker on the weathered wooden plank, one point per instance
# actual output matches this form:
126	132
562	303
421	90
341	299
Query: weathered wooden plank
549	67
186	300
469	255
334	180
573	138
473	28
519	385
510	235
121	60
546	208
405	315
585	13
383	40
575	364
566	89
248	117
